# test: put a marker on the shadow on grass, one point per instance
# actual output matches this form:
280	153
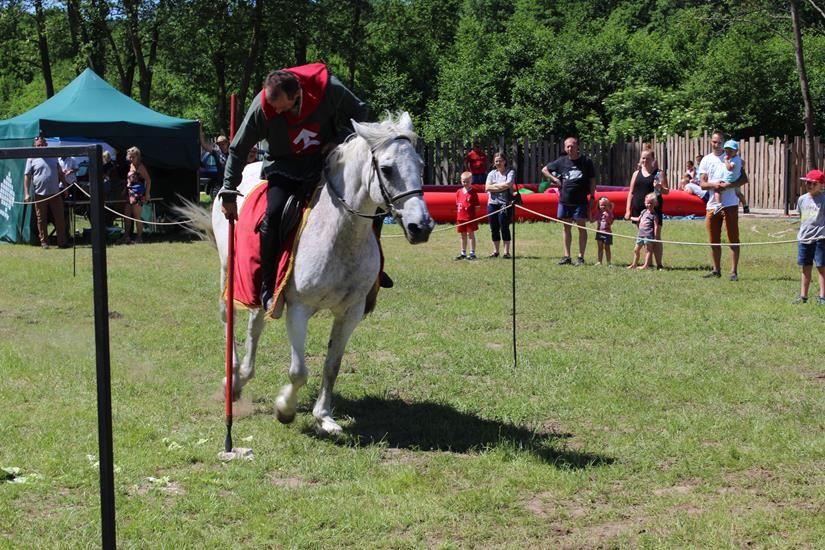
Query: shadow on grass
429	426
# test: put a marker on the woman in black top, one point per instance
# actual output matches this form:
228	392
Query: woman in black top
647	179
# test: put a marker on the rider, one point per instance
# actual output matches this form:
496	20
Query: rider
303	113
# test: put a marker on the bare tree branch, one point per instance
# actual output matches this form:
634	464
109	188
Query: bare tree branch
817	8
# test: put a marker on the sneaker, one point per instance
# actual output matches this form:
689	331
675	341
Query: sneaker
579	261
565	261
803	300
598	263
820	301
461	256
711	275
734	277
660	268
506	255
746	209
44	246
493	255
472	256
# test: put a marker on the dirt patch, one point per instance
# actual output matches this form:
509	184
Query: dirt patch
540	505
393	456
494	345
382	356
687	509
683	488
242	408
139	371
171	488
601	535
281	479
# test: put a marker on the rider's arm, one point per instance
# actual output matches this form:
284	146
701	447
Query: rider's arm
347	107
250	133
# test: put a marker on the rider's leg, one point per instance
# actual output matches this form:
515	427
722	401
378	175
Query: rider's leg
278	191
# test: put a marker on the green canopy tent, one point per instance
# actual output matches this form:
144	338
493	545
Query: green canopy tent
88	107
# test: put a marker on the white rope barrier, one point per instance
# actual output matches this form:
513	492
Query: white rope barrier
447	227
683	243
50	197
124	216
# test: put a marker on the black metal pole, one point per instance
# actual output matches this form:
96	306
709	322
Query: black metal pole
74	242
513	264
104	390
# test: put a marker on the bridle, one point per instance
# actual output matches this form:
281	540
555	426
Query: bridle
389	201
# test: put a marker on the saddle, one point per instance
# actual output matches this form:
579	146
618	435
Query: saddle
248	251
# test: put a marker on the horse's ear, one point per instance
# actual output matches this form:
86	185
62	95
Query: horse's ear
360	130
405	121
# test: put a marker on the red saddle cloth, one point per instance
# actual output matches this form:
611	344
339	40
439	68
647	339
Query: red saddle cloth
248	251
248	256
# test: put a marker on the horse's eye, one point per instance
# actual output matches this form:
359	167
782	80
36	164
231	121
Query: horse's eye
387	171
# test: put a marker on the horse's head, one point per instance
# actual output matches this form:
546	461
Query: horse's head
395	174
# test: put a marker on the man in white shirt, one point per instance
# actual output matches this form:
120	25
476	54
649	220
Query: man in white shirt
69	166
711	176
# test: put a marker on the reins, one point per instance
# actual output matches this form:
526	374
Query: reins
389	201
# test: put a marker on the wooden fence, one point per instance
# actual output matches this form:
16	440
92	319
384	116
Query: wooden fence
773	165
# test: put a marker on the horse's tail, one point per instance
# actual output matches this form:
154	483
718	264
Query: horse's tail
200	220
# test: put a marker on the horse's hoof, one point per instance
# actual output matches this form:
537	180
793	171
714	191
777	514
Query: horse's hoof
328	427
236	391
283	412
284	418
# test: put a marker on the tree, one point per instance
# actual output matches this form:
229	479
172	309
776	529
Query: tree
810	157
43	47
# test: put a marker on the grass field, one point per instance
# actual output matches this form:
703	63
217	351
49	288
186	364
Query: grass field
652	409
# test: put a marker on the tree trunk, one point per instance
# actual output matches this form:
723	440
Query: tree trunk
99	29
219	62
808	117
73	14
252	55
144	67
43	46
354	42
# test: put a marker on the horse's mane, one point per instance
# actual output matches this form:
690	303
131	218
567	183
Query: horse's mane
376	135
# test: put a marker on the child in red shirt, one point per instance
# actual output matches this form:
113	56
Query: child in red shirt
466	202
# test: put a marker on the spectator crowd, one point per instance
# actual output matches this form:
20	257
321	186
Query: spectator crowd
716	178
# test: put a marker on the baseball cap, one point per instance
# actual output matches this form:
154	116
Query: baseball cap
731	144
815	175
221	139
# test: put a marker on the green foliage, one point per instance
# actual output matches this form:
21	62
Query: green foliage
520	68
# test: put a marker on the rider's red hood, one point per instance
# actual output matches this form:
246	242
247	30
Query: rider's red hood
313	79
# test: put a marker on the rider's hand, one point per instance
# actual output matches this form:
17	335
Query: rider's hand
230	210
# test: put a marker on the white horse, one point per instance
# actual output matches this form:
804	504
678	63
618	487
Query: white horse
337	259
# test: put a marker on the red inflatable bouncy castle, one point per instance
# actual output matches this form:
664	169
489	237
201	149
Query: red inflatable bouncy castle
440	201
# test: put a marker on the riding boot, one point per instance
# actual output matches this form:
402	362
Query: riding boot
384	280
270	247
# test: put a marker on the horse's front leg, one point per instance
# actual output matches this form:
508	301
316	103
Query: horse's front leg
339	336
246	371
297	318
